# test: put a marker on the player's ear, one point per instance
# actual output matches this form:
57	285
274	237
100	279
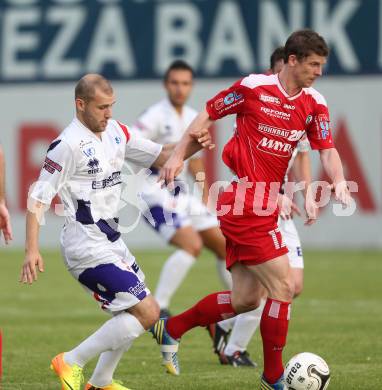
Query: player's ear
292	60
80	105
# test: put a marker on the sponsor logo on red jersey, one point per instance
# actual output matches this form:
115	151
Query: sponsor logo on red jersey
323	122
269	99
232	97
276	113
273	130
277	148
219	104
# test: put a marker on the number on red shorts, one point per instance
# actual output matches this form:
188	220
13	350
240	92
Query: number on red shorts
277	238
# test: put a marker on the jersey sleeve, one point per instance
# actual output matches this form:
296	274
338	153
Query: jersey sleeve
141	151
318	131
229	101
57	169
146	125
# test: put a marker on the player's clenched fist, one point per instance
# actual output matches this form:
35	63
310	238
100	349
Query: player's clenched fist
204	138
32	262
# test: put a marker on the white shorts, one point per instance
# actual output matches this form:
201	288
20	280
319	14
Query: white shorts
116	285
167	213
292	241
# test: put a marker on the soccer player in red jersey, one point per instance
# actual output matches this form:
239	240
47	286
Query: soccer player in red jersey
273	112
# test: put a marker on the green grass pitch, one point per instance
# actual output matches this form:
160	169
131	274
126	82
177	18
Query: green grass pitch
338	316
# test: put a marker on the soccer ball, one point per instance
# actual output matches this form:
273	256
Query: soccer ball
306	371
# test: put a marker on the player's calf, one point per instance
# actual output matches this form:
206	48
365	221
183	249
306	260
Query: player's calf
147	312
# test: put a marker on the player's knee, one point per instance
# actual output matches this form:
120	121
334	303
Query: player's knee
282	290
147	312
194	246
288	288
243	304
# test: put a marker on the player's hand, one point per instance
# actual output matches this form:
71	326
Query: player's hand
170	170
342	193
32	262
5	223
287	207
204	138
311	209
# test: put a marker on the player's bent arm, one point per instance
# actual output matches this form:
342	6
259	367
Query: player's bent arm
199	139
32	258
175	162
332	165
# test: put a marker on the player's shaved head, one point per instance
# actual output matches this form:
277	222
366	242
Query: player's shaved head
88	84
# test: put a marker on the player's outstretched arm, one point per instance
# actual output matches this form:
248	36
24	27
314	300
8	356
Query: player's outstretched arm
33	260
199	140
331	162
185	147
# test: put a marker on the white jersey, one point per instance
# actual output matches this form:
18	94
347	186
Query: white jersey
85	171
161	123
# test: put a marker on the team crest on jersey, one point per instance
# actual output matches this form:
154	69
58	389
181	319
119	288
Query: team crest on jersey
309	119
93	164
89	151
87	148
117	140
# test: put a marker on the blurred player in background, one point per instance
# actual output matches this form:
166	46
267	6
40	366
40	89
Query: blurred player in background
83	165
276	60
234	351
180	217
5	220
273	112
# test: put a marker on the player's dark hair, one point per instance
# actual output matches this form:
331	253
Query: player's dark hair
303	43
178	65
277	55
87	85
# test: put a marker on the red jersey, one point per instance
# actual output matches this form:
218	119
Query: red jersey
269	124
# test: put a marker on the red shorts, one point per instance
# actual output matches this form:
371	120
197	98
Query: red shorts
250	238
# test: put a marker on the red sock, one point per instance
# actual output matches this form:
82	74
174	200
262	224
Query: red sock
212	308
274	329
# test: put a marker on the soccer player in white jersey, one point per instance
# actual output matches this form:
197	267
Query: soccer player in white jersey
241	328
5	220
83	165
180	218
